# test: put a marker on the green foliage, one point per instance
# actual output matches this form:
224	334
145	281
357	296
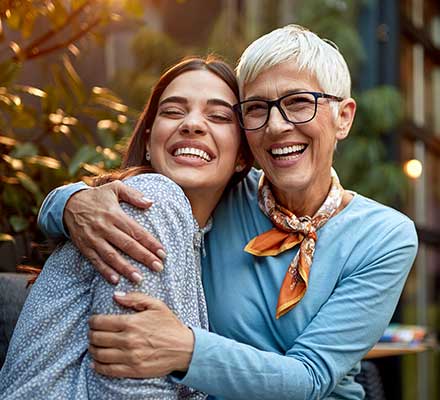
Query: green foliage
64	130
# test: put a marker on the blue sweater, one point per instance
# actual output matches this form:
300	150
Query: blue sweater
361	262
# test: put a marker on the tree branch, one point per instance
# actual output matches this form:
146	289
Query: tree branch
54	31
35	52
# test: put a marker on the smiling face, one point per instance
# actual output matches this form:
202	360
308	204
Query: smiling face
195	138
296	159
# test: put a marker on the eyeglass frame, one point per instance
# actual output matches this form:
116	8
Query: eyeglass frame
277	104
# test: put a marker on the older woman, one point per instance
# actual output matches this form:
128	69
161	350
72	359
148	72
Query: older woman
301	276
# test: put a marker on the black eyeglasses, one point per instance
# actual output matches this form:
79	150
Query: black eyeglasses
297	108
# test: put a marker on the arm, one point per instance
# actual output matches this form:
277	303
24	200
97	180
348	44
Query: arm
98	226
50	217
342	332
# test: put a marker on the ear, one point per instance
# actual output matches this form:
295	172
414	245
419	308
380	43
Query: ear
344	121
147	146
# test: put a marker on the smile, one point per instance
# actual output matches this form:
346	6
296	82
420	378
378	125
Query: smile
192	152
287	152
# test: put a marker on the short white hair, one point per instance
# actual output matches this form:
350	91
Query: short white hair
306	50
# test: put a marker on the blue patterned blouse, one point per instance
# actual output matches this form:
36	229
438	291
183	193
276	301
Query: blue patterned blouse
48	356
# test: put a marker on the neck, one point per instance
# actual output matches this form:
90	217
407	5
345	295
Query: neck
304	201
203	203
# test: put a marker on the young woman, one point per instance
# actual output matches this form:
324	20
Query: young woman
189	136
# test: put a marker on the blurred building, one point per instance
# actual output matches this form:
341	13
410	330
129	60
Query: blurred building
403	43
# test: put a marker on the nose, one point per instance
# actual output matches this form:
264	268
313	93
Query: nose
276	123
193	124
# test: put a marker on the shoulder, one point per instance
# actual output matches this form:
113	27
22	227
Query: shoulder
370	231
377	217
159	189
171	209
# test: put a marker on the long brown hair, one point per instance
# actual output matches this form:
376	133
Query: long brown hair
134	162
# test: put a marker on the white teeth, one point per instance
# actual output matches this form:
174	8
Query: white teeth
288	149
192	152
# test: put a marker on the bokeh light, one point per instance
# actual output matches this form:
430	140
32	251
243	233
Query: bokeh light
413	168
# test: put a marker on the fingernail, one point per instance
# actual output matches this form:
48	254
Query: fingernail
114	279
92	365
158	266
161	254
136	277
118	293
145	200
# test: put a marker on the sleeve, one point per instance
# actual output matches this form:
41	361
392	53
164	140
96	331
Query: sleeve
341	333
171	221
50	217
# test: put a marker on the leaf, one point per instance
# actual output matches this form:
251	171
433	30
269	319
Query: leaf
83	155
34	91
44	161
13	162
18	223
13	198
23	118
8	72
58	13
24	150
74	80
28	183
4	237
382	108
7	141
93	169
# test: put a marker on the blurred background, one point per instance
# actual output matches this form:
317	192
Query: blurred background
75	74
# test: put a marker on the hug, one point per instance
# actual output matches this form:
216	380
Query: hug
268	283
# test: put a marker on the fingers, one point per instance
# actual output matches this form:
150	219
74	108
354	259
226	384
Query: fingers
151	249
109	256
130	195
108	339
137	301
109	274
110	323
128	242
103	355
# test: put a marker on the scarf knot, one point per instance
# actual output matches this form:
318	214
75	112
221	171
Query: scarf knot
288	231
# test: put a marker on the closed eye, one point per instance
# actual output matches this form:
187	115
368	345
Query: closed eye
172	112
220	117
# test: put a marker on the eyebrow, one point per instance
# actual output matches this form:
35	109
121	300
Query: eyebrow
183	100
285	93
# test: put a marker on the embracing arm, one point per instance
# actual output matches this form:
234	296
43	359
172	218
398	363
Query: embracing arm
98	226
343	331
50	217
346	327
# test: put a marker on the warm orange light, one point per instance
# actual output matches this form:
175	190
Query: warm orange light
413	168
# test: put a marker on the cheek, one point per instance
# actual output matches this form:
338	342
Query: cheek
230	141
252	141
160	133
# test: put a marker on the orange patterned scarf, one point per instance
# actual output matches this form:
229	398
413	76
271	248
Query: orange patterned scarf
287	233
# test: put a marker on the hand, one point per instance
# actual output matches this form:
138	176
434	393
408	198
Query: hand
97	225
150	343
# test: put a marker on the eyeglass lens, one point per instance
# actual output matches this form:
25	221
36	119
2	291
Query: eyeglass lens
297	107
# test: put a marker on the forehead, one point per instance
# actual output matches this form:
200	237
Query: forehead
199	85
276	81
